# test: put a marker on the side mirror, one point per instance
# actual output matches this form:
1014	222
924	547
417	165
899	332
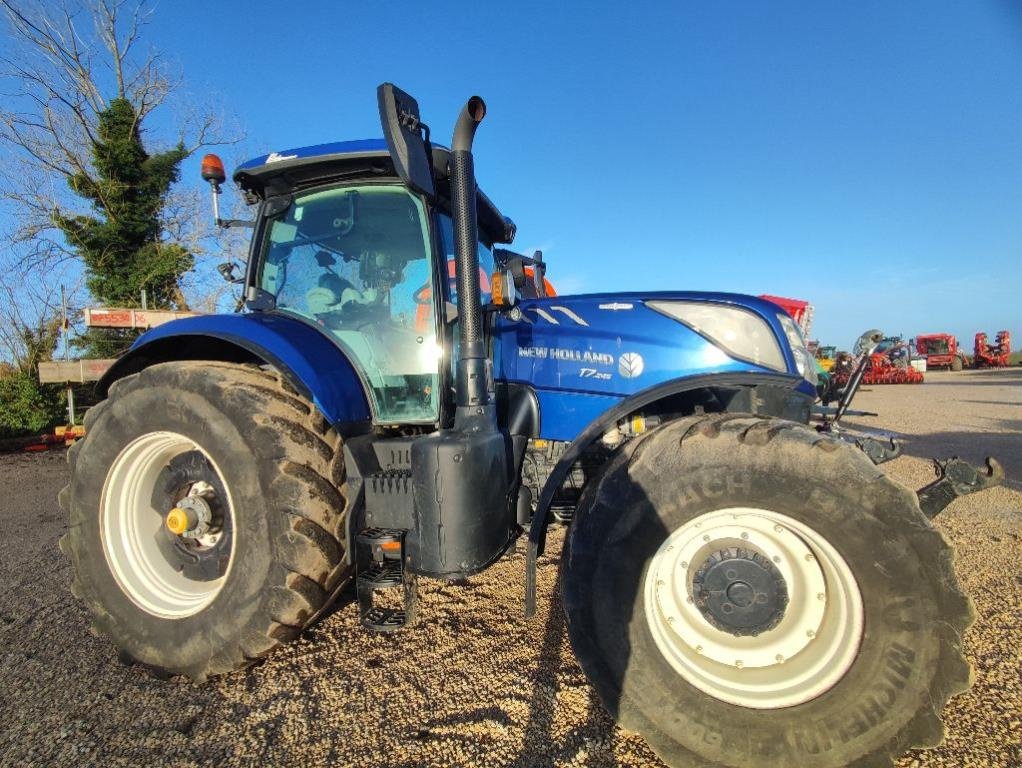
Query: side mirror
226	271
407	138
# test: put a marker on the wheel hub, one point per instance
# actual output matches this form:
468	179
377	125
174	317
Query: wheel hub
167	525
740	591
753	607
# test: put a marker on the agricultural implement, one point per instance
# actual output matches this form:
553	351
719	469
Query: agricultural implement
739	587
880	369
994	355
941	350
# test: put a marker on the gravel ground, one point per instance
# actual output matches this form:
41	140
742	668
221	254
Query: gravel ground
474	683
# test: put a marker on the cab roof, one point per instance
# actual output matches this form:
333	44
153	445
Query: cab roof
282	172
289	158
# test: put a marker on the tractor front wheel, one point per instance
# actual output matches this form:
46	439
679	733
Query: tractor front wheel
206	524
744	591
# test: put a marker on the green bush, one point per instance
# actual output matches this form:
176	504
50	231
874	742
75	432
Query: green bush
26	406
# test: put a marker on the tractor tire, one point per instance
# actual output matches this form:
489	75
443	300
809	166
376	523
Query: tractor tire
745	591
957	364
268	472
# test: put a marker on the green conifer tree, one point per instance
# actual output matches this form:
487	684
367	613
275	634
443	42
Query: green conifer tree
121	245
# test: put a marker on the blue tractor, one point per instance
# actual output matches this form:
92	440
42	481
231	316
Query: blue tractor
403	398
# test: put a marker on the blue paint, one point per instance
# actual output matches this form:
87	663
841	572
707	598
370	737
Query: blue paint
570	349
563	412
297	349
319	151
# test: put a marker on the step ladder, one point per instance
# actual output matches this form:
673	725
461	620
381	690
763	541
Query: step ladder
379	567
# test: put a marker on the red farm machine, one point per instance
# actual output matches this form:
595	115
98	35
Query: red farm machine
992	355
801	311
942	350
889	362
882	369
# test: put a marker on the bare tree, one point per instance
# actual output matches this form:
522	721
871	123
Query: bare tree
61	65
31	324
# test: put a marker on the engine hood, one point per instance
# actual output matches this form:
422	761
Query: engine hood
612	344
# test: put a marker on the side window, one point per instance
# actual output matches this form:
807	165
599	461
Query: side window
356	261
485	261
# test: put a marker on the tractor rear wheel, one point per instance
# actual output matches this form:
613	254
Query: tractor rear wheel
744	591
206	520
956	363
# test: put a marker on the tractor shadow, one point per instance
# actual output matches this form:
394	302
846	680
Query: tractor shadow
1005	445
555	668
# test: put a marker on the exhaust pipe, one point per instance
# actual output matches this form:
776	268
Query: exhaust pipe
462	477
473	374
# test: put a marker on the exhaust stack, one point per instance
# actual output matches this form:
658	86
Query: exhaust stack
473	374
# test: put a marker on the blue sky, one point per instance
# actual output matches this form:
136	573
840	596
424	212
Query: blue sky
866	156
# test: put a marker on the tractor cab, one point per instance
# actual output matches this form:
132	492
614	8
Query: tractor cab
343	244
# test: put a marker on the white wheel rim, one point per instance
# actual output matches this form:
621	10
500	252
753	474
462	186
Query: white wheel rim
799	659
129	525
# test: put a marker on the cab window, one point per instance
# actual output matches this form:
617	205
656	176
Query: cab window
485	261
356	261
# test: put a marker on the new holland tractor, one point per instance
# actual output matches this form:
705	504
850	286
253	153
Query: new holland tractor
401	398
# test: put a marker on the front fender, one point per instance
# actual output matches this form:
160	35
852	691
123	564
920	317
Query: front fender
307	359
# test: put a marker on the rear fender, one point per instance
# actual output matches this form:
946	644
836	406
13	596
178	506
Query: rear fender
305	357
774	394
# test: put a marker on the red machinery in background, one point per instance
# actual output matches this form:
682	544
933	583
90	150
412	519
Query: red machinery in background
992	355
941	350
880	370
800	311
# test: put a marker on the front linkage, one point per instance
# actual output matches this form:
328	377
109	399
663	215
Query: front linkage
955	477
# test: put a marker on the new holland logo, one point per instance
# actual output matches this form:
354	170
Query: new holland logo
630	365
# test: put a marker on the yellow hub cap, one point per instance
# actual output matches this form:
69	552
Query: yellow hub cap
177	521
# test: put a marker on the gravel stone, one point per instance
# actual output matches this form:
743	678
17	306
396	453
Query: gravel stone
473	683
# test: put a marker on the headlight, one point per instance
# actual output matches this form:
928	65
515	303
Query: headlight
737	331
804	361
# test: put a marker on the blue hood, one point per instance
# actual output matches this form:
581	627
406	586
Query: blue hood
612	344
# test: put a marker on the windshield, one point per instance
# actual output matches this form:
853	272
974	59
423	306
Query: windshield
356	261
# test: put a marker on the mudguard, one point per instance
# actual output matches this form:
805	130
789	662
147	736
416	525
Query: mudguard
787	401
307	359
